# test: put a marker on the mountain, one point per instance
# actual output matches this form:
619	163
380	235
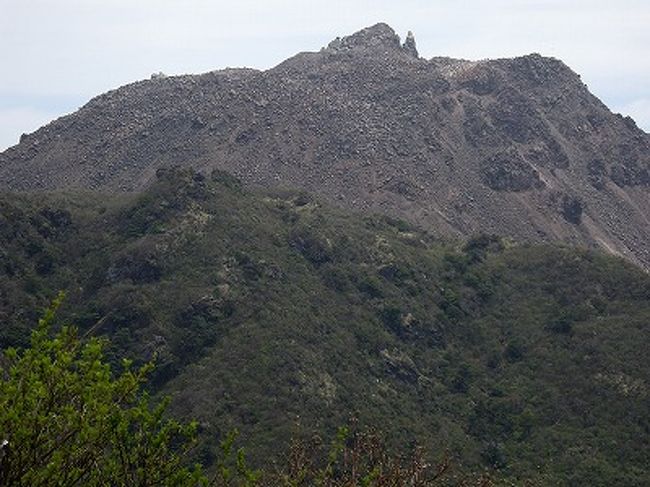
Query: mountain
275	313
516	147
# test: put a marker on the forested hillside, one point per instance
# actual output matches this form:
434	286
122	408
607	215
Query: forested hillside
276	314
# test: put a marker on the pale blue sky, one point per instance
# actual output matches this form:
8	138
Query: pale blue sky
57	54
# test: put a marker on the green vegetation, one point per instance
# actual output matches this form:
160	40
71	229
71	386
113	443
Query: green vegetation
274	314
64	420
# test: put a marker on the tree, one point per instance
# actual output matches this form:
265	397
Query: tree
67	420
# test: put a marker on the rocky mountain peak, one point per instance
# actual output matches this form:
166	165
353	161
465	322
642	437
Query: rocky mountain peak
409	45
379	37
515	147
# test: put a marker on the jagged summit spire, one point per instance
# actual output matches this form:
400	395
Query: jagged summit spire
409	45
376	37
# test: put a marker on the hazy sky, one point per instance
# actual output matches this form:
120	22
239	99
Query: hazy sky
57	54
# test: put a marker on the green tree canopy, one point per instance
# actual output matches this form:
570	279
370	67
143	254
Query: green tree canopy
66	419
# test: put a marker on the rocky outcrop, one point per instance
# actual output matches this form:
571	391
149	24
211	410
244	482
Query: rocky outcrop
457	146
409	45
509	171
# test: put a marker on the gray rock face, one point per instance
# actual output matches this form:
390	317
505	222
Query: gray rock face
515	147
409	45
379	37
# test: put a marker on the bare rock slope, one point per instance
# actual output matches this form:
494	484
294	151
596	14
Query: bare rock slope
516	147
